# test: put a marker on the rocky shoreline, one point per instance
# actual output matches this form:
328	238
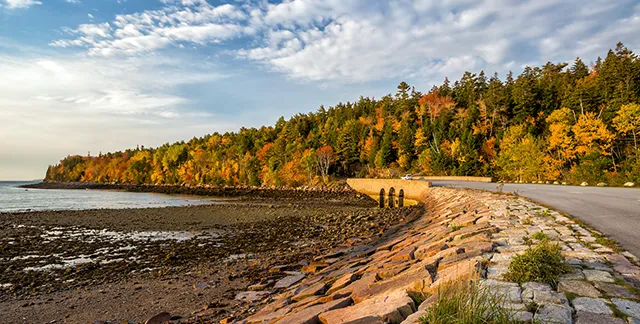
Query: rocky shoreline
130	264
337	192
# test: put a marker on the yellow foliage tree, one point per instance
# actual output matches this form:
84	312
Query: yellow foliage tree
628	121
591	135
520	155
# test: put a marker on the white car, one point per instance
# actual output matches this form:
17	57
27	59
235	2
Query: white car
407	177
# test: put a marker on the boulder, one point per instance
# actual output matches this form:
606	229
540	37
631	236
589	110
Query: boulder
251	296
159	318
287	282
315	289
341	282
584	184
602	184
418	281
309	315
629	184
392	308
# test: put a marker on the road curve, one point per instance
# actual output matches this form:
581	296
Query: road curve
613	211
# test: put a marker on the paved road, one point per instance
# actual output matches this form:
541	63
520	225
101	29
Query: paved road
613	211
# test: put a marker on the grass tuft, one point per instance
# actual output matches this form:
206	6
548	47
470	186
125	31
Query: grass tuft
466	303
540	263
605	241
417	297
616	312
456	227
540	236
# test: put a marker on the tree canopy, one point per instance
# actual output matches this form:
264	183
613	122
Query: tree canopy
557	122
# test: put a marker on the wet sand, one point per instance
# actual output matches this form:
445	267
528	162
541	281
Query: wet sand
128	265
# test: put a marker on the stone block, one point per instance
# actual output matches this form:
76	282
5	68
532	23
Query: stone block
511	292
556	314
622	265
578	287
598	275
418	281
341	282
614	290
309	315
592	305
592	318
523	316
392	308
315	289
405	254
628	307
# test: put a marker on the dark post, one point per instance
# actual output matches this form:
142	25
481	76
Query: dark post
381	202
401	198
392	193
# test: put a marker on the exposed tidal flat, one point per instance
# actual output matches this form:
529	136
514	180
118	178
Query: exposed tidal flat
129	264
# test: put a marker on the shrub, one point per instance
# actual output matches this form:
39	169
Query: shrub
541	263
466	303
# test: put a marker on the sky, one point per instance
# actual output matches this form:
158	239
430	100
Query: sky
80	76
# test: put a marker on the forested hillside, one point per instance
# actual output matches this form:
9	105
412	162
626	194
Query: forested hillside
565	122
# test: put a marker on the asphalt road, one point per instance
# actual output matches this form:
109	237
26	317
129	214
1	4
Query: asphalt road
613	211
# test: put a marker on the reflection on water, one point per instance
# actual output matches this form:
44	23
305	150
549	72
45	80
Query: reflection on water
16	199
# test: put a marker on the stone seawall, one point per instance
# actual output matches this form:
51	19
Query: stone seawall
412	189
464	234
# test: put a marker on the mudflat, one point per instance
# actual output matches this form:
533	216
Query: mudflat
131	264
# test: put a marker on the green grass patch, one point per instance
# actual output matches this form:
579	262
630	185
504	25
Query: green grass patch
616	312
633	289
456	227
540	263
532	307
417	297
571	296
466	303
527	240
540	236
606	241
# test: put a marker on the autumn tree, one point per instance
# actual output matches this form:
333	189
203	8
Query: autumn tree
520	155
325	156
628	121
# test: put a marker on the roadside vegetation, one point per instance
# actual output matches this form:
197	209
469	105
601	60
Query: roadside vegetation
566	122
540	263
466	303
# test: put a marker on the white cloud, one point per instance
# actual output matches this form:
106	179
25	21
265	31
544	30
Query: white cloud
21	4
90	16
51	106
73	1
361	40
187	21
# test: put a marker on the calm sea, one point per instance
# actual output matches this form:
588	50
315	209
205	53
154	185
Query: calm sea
16	199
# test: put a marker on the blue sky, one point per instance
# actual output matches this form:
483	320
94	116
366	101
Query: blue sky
105	75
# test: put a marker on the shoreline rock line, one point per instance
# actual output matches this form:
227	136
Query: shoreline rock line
338	192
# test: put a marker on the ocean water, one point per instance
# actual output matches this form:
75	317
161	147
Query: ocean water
16	199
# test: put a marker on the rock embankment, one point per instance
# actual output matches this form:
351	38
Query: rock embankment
464	234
